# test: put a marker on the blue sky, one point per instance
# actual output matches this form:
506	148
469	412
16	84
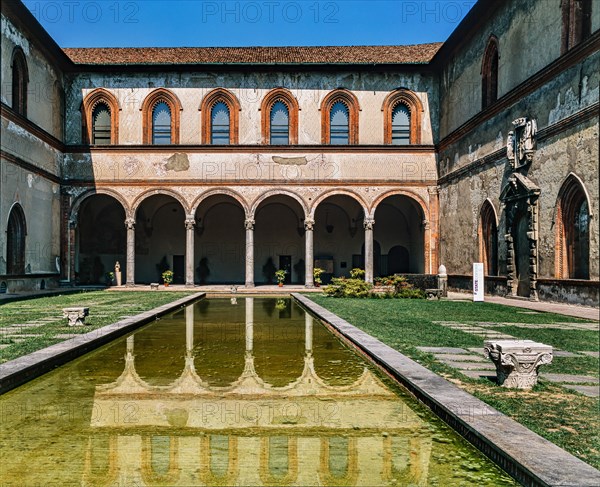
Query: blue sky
143	23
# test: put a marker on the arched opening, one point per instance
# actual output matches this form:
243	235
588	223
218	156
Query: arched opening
576	22
160	239
279	240
399	229
338	461
278	460
573	232
101	130
220	124
161	124
338	236
16	233
219	241
489	73
488	239
160	460
20	79
280	124
100	239
522	255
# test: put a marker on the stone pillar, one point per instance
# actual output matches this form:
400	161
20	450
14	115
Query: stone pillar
442	279
308	332
309	224
369	223
190	223
249	224
189	328
130	278
71	255
249	325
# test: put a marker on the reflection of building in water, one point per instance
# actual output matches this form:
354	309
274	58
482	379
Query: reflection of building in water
252	433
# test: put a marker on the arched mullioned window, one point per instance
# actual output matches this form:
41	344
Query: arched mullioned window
401	125
339	124
20	79
402	111
572	231
220	124
97	127
101	124
161	124
279	118
576	22
280	124
16	232
489	73
161	118
212	106
339	118
488	239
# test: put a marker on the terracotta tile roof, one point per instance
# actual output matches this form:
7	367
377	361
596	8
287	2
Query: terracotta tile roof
414	54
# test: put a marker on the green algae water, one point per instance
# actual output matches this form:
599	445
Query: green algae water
240	391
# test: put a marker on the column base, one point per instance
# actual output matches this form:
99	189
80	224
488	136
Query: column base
309	286
249	285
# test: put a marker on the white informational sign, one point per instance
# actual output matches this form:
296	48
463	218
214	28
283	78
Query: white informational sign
478	281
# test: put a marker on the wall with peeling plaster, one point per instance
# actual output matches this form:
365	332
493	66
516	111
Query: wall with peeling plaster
474	166
44	91
250	89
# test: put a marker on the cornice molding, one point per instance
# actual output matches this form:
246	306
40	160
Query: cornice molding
34	129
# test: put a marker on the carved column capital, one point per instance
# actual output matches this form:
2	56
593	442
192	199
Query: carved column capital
309	224
369	223
249	224
190	223
73	223
130	223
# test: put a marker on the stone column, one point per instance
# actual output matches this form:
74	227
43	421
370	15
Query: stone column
189	328
190	223
130	278
249	224
72	244
308	332
249	325
369	223
309	224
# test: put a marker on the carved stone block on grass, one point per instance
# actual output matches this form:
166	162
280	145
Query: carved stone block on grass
76	315
517	361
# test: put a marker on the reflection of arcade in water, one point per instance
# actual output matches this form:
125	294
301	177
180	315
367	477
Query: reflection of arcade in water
252	433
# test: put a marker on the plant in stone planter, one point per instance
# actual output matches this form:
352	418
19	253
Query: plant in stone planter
280	276
167	277
317	271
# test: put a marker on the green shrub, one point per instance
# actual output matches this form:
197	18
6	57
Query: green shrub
357	273
341	287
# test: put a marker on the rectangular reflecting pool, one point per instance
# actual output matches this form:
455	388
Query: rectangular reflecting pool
236	391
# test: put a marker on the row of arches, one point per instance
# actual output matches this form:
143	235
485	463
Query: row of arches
213	242
279	118
572	237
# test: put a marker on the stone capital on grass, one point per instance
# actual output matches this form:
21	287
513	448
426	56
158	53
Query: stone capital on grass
517	361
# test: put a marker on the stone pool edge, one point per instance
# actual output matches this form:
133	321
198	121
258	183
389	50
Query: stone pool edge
523	454
23	369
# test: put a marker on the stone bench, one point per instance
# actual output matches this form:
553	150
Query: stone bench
433	293
517	361
154	286
76	315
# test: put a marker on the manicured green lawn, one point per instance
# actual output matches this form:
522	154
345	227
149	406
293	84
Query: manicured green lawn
564	417
45	314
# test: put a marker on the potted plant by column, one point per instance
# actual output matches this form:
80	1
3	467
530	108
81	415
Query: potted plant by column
317	276
167	277
280	276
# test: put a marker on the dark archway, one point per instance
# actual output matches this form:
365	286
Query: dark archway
160	239
338	236
399	223
398	260
219	241
16	233
488	239
278	238
101	239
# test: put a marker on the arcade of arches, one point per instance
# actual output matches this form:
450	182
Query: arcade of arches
223	240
